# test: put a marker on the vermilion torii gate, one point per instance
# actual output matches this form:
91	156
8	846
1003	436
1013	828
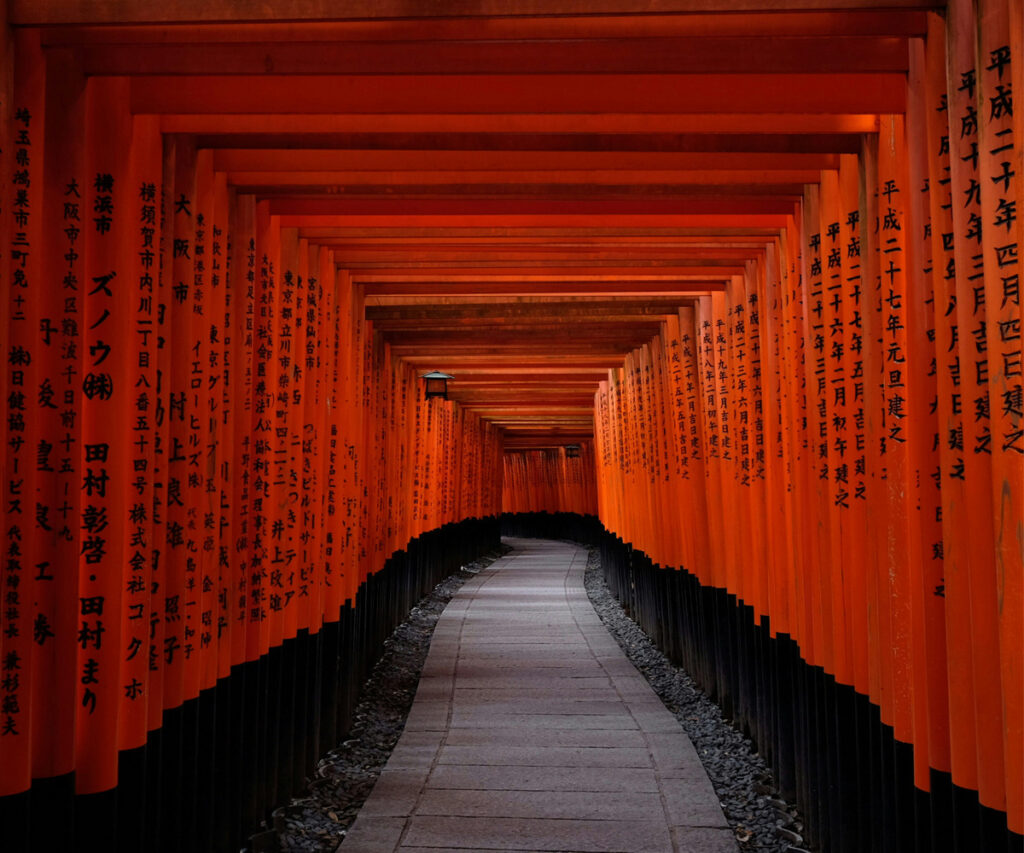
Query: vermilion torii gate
760	264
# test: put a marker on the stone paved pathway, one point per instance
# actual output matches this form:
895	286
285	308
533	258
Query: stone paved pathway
532	731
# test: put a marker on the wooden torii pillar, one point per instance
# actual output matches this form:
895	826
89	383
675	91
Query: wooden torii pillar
761	265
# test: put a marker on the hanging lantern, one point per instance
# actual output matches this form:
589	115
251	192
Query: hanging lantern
437	384
572	451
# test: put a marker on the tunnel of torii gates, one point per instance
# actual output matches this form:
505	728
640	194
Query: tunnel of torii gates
760	266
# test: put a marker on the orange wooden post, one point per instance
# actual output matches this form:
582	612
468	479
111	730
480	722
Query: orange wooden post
244	633
449	449
607	503
646	450
967	746
333	507
373	507
816	530
753	444
390	474
632	504
678	382
304	491
265	512
287	442
139	689
628	499
178	178
696	459
675	447
55	543
952	747
800	444
429	459
893	204
525	484
309	309
660	516
879	674
704	332
829	395
368	391
999	173
639	485
930	708
601	451
969	252
361	395
206	304
349	406
721	313
624	463
1012	590
21	274
228	297
410	388
773	446
644	446
613	471
625	469
728	366
854	530
107	326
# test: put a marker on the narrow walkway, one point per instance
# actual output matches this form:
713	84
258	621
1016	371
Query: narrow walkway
532	731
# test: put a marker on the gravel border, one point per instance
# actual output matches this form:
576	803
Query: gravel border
761	820
316	821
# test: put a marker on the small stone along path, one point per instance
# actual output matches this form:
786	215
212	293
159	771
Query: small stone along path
531	730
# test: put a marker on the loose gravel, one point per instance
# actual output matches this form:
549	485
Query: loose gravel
316	821
761	820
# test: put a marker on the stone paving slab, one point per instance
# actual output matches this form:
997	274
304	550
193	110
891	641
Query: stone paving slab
532	651
405	849
501	665
545	756
702	840
479	719
511	681
603	692
468	704
639	836
588	805
689	808
484	778
545	737
531	731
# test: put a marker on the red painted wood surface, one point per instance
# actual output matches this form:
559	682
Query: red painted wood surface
763	267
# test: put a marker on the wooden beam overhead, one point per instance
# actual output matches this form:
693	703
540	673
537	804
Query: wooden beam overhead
519	93
596	300
680	55
520	191
608	312
623	233
273	158
388	290
340	183
49	12
584	256
84	21
306	128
